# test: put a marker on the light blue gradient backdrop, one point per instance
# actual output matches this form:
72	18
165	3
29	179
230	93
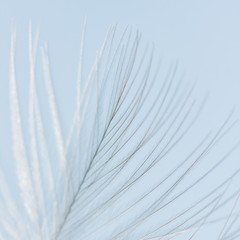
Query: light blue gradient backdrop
203	35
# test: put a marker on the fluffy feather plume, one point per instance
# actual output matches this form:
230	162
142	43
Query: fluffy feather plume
120	173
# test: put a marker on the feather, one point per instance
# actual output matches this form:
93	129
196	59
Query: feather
104	181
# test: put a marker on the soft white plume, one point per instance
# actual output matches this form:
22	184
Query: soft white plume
125	170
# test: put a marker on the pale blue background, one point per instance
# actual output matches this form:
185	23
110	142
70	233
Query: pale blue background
203	35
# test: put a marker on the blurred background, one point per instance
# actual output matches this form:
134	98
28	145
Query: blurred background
203	36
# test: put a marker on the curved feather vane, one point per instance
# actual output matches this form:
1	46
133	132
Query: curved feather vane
124	171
